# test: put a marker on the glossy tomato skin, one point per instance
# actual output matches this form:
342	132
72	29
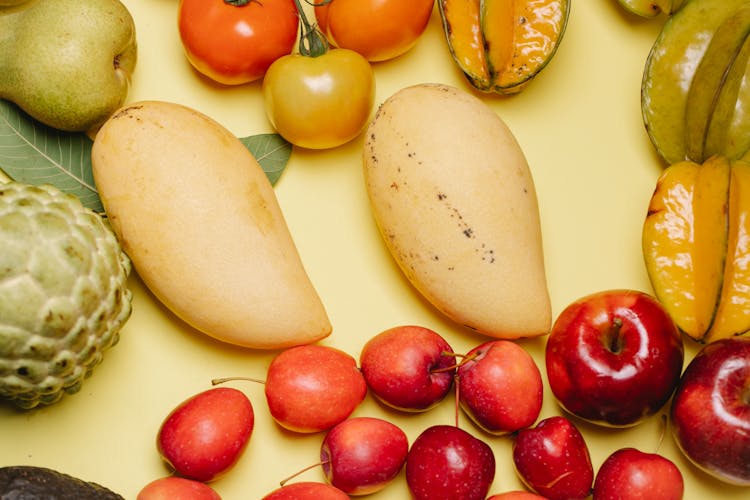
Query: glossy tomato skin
319	102
236	44
377	29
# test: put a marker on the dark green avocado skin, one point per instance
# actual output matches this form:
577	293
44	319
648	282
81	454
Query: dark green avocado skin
25	482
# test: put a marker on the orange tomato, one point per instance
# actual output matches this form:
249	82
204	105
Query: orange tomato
235	41
377	29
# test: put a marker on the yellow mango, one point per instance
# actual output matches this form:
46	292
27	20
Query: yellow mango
201	223
454	200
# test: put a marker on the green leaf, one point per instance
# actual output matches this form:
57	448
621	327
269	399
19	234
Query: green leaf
272	152
34	153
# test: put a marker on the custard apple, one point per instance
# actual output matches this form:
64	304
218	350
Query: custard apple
63	293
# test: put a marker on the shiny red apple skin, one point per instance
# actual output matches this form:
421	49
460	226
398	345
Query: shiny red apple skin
362	455
631	473
307	490
500	387
710	412
553	460
516	495
310	388
446	462
614	357
205	435
173	487
406	367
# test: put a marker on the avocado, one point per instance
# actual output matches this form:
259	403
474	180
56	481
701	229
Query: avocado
26	482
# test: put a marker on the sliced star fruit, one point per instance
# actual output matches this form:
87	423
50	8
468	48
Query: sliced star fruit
695	246
501	45
694	89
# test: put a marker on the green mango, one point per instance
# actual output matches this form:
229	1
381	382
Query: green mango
669	70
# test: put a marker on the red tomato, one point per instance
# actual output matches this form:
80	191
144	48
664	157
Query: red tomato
234	44
377	29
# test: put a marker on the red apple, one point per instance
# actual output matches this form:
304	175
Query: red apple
552	459
516	495
614	357
307	490
362	455
406	367
500	387
311	388
710	411
172	487
631	473
445	462
206	434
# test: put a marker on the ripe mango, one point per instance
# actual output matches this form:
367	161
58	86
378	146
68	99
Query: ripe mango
454	200
203	227
695	246
501	45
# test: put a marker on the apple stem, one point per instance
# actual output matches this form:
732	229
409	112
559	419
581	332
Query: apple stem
218	381
615	340
309	467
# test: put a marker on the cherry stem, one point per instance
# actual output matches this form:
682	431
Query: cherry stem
456	409
309	467
464	359
218	381
662	431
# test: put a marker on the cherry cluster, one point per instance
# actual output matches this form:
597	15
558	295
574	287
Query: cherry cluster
613	358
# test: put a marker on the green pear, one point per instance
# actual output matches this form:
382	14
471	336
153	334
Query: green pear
67	63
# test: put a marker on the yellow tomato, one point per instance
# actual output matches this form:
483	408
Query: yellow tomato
319	102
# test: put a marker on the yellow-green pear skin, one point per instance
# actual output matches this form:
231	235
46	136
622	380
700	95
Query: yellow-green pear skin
67	63
454	200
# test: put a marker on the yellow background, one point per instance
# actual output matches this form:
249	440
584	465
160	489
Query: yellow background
580	127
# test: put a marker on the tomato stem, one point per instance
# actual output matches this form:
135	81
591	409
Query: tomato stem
312	41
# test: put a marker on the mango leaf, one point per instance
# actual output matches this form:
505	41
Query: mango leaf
37	154
34	153
272	152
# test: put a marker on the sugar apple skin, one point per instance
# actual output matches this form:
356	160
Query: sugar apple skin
63	293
